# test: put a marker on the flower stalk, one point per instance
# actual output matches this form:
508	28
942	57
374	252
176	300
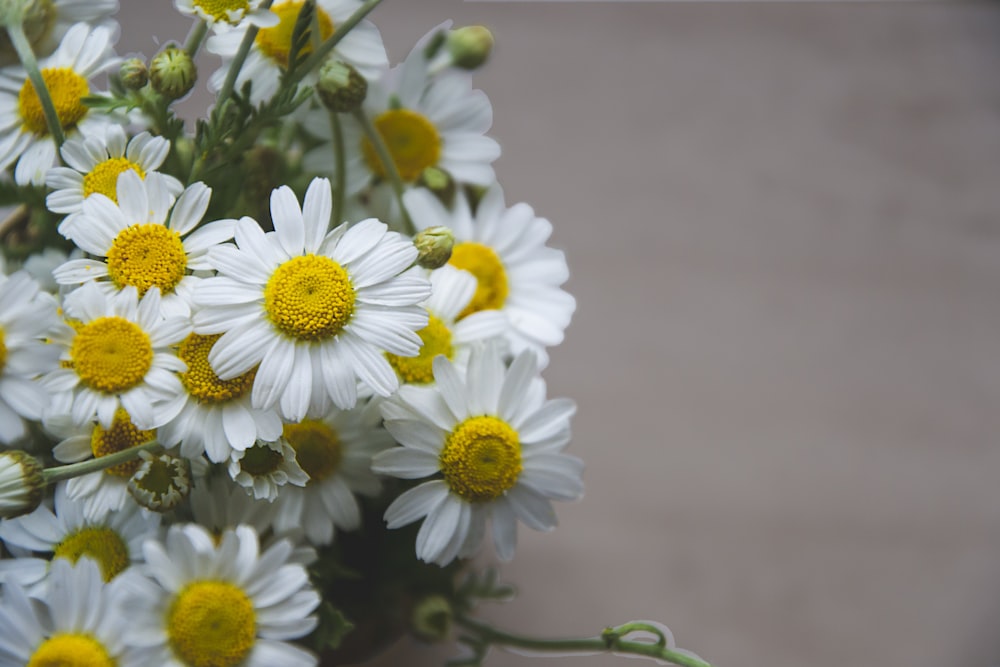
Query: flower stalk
385	157
60	473
27	57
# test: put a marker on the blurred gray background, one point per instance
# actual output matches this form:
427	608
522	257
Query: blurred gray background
783	226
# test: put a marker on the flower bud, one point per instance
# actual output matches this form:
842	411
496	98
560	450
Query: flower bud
431	619
161	482
470	46
173	73
133	73
434	246
340	87
21	483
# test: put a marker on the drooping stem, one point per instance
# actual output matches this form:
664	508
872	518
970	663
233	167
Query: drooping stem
27	56
389	165
237	64
340	162
320	54
59	473
195	38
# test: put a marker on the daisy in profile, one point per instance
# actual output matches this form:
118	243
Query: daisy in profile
117	354
47	22
146	240
361	47
315	309
517	274
227	13
494	447
78	622
220	602
84	53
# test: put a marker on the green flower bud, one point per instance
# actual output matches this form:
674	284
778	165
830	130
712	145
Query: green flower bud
161	482
470	46
434	246
133	73
21	483
440	183
340	87
431	619
173	73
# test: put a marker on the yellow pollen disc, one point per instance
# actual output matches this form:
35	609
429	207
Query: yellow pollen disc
71	650
147	255
111	354
484	263
3	350
66	88
121	436
412	140
481	458
276	41
220	10
212	624
103	178
261	460
99	543
309	297
201	381
435	339
317	448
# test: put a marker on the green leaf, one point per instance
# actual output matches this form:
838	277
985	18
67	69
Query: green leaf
332	628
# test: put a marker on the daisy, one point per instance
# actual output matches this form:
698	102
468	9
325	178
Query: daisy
262	469
496	444
336	452
116	355
49	20
95	163
145	238
221	602
84	53
79	622
504	248
315	309
361	47
228	12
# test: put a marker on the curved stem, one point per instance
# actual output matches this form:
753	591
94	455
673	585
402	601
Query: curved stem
24	52
611	640
195	38
340	162
389	165
237	64
318	55
59	473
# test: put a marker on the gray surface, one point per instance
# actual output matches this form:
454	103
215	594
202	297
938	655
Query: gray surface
782	223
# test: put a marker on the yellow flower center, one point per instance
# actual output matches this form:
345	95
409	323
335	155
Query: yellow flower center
3	351
68	649
66	88
103	178
276	41
317	448
481	458
220	10
201	381
261	460
111	354
99	543
309	297
436	340
412	140
121	436
483	263
212	624
147	255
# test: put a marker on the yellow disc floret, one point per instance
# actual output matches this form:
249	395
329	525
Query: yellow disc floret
211	624
3	350
481	458
483	263
147	255
220	10
317	448
68	649
67	90
309	297
122	435
276	42
99	543
201	381
412	140
111	354
435	340
103	178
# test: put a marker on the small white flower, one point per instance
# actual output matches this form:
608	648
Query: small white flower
48	21
265	467
225	13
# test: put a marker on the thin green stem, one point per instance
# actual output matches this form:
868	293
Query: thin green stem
23	48
389	165
340	162
237	64
59	473
320	54
195	38
611	640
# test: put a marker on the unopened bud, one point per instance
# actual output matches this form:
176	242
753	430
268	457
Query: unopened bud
431	618
470	46
173	73
340	87
434	246
21	483
161	482
133	73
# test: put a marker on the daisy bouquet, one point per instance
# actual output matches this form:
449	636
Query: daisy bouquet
269	378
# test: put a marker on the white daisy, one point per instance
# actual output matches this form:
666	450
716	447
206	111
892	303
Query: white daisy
361	47
49	20
79	622
336	452
225	13
84	53
496	444
118	354
96	161
145	238
504	248
315	309
221	603
262	469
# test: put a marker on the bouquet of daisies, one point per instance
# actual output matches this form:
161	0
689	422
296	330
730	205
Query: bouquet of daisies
268	380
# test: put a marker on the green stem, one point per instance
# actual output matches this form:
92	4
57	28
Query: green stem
611	640
59	473
320	54
389	165
340	187
238	60
195	38
23	48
